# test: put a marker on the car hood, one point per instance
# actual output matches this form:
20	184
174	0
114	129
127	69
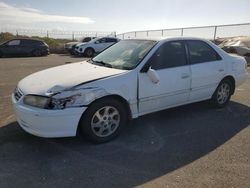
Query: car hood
81	44
62	77
71	44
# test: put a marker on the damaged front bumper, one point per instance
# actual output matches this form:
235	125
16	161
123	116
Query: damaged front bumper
47	123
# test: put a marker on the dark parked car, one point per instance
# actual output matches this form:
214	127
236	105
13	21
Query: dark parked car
24	47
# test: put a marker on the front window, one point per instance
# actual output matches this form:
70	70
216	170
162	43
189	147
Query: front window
14	43
169	55
126	54
86	39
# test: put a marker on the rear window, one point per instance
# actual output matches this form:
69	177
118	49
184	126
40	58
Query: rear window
201	52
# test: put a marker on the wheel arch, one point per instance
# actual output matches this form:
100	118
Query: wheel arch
232	80
89	47
113	96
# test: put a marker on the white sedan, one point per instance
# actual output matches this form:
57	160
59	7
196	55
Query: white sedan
129	79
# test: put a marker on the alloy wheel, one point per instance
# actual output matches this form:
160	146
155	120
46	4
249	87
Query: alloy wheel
223	93
105	121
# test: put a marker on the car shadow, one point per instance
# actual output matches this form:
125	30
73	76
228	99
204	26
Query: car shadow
151	146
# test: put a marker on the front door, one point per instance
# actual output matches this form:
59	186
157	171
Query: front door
171	66
12	48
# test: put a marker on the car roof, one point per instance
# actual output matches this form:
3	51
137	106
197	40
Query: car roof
168	38
26	39
97	38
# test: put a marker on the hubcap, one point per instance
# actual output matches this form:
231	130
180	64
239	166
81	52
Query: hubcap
89	52
105	121
223	93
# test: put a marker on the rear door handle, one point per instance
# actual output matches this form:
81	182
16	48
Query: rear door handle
221	70
185	76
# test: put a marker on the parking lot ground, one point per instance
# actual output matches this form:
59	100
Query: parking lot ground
190	146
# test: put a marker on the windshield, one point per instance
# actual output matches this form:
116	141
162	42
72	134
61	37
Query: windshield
126	54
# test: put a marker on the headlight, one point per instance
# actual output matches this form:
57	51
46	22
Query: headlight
36	101
65	99
76	98
60	103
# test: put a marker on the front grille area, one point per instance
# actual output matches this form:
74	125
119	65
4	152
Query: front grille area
18	94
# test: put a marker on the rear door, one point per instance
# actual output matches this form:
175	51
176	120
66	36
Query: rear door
26	46
207	69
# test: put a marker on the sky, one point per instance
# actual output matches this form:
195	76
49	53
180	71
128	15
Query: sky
120	16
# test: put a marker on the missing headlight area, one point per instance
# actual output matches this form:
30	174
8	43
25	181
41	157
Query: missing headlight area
76	97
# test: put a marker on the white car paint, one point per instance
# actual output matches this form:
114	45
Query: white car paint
65	76
171	87
97	44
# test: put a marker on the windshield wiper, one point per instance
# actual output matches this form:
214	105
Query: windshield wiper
102	63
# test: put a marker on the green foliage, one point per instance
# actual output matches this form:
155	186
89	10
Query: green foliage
6	36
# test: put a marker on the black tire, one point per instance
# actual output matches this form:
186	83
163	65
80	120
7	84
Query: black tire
247	55
1	55
87	120
217	99
37	53
89	52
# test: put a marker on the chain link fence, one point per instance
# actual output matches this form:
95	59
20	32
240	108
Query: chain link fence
57	34
208	32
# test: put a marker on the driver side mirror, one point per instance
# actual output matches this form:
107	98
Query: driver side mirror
97	42
152	74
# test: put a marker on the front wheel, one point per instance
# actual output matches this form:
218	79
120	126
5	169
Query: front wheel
222	94
89	52
103	120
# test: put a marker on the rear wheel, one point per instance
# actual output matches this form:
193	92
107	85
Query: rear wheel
89	52
103	120
223	93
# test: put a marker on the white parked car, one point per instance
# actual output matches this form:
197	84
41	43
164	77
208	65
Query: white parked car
96	45
129	79
70	46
